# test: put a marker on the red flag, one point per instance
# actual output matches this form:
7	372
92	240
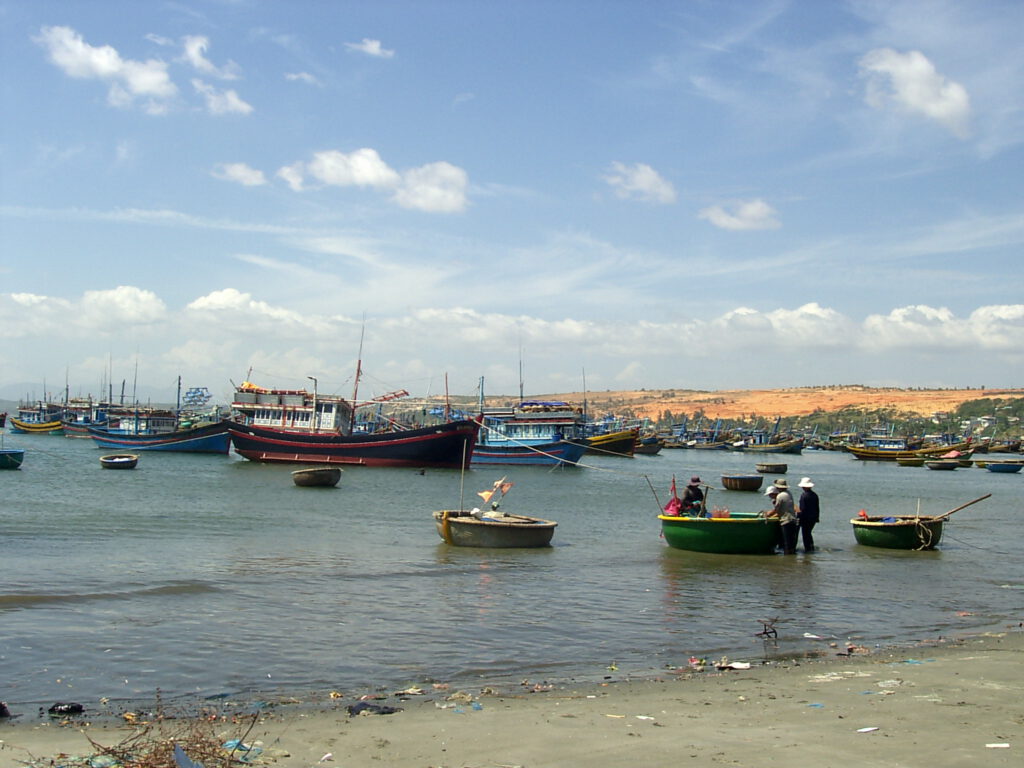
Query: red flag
674	494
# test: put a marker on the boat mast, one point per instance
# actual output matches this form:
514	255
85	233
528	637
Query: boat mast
312	421
355	386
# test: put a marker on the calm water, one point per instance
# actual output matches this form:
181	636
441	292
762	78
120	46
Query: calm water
205	575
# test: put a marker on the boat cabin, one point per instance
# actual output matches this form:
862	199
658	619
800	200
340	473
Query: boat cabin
295	410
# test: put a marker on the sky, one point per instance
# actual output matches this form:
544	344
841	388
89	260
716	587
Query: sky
547	196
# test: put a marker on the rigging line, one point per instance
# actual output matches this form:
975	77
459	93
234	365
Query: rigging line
946	535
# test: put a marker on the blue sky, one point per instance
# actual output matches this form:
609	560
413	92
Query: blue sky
651	194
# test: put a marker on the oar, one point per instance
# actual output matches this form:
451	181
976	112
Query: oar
944	515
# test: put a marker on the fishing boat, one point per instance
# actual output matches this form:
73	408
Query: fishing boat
1004	466
912	461
942	464
37	419
538	433
648	445
913	532
11	458
444	445
493	528
772	469
742	482
296	426
898	531
317	477
119	461
738	533
873	454
621	442
203	438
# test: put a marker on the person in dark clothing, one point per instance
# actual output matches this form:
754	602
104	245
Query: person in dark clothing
693	497
807	513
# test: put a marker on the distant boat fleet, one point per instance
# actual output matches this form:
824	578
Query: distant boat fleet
297	426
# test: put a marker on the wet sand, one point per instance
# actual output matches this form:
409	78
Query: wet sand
951	704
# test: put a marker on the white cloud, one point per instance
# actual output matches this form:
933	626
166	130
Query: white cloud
911	82
362	168
303	77
370	48
435	187
195	54
240	173
745	214
115	309
221	102
996	327
128	79
292	175
640	182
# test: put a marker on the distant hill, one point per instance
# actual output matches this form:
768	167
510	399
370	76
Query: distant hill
796	401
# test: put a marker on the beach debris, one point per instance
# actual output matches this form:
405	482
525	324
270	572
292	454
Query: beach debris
698	664
247	751
326	758
997	745
4	711
182	760
336	694
724	663
372	697
768	628
613	667
441	686
867	729
66	708
462	696
413	690
366	708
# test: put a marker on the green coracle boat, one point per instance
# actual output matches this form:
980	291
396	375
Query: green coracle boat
914	532
898	531
11	458
741	533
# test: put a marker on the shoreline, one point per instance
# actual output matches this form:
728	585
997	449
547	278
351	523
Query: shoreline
944	703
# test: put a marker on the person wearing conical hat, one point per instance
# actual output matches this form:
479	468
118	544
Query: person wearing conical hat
785	510
807	512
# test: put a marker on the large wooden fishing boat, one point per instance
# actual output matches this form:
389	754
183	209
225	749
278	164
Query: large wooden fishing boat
621	442
204	438
741	533
531	433
873	454
296	426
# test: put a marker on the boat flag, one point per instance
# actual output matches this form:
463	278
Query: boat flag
675	494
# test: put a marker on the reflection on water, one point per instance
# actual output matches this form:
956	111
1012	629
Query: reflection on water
206	574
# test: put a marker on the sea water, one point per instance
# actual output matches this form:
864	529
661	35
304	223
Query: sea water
205	575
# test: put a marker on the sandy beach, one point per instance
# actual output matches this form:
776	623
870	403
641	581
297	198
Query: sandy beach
953	703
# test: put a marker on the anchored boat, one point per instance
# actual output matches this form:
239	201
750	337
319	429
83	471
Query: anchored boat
915	532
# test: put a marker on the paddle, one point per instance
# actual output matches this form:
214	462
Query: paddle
944	515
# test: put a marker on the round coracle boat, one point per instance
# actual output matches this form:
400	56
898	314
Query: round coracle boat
742	482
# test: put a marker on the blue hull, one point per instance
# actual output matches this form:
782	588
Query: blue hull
543	455
213	438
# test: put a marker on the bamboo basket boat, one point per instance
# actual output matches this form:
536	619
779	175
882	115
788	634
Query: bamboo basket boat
912	532
742	482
